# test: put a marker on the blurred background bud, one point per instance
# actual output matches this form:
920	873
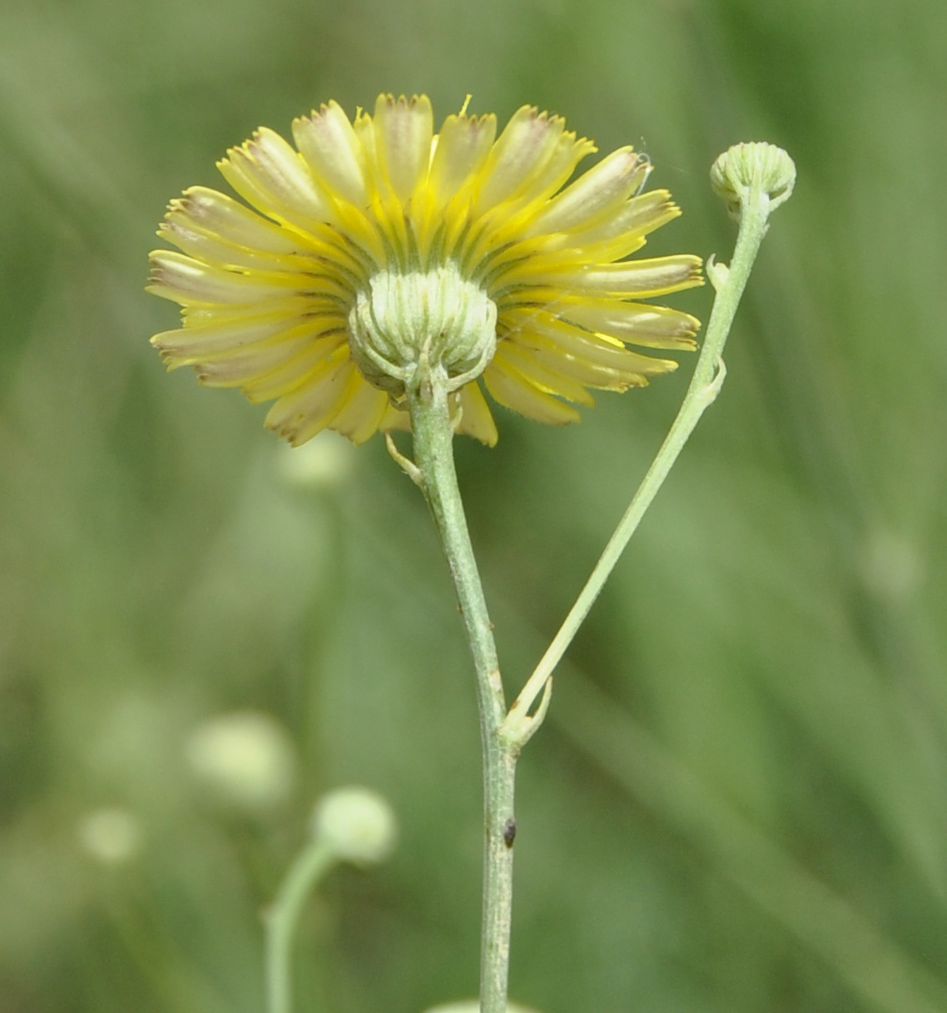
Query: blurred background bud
245	758
110	835
321	464
357	824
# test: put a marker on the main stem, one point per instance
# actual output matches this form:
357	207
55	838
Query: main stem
433	454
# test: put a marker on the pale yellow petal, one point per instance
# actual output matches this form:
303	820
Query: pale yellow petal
364	131
639	216
544	376
325	418
300	414
595	195
295	371
403	132
527	143
476	418
593	374
209	247
638	278
560	165
637	323
504	230
285	307
191	344
186	280
463	145
395	418
272	176
253	363
600	348
513	391
328	142
221	215
362	411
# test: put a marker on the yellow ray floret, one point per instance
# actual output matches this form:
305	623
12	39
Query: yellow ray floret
302	295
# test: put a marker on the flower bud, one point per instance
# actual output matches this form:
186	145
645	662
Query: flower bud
356	824
753	166
422	319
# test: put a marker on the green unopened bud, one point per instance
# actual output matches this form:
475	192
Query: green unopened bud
406	324
755	166
356	824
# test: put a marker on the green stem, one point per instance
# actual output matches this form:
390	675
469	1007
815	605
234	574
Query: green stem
704	385
433	454
280	923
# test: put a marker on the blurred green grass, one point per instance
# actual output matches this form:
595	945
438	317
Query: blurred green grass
739	804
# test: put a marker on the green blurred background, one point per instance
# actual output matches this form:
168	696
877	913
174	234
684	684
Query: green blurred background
740	800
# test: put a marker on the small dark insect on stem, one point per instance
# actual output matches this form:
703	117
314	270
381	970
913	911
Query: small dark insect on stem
509	833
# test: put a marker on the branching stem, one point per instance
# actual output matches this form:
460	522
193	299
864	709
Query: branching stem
754	179
705	384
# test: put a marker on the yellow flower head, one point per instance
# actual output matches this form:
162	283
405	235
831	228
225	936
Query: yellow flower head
375	244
